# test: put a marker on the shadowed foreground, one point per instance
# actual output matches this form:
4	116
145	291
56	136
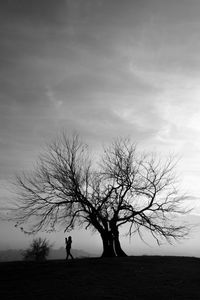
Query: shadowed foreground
94	278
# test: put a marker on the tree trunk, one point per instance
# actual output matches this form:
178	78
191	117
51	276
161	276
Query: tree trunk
108	245
117	245
115	233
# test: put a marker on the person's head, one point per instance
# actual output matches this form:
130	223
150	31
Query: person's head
70	238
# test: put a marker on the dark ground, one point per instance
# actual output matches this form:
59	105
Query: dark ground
140	277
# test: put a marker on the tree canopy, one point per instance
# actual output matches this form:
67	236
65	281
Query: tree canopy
68	189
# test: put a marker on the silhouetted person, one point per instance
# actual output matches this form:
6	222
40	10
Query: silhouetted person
68	243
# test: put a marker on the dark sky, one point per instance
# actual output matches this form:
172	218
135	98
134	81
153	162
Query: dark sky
103	68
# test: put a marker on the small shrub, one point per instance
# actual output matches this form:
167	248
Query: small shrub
38	250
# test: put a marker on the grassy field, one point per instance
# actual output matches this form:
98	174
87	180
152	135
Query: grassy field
140	277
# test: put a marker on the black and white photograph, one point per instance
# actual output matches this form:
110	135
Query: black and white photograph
99	149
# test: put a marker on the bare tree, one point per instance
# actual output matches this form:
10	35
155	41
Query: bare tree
125	187
38	250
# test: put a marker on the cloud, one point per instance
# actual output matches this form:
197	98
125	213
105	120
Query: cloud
44	11
103	68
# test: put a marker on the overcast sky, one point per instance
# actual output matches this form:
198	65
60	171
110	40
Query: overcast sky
103	68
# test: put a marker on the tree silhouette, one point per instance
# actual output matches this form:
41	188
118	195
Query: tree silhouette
70	190
38	250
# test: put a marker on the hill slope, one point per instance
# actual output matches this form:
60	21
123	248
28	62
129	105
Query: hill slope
95	278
